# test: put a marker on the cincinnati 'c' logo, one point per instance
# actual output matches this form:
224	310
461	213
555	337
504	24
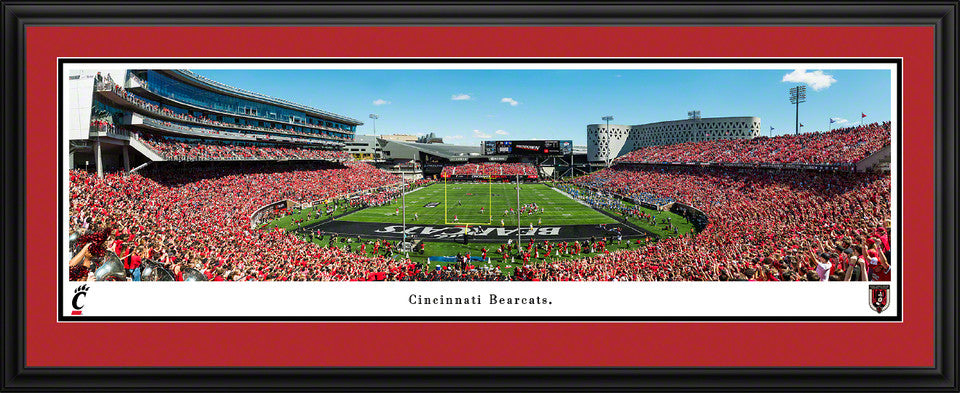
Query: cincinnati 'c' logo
79	293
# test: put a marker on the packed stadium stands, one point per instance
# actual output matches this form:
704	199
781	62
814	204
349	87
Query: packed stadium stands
422	182
839	146
764	225
484	169
200	217
187	149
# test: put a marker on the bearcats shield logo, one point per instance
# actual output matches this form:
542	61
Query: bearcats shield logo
879	297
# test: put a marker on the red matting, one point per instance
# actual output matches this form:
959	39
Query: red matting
910	343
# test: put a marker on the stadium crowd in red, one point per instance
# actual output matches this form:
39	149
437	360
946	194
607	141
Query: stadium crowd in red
839	146
763	225
422	182
199	217
195	150
102	126
489	168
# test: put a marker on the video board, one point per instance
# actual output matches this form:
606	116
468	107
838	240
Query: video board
536	148
489	148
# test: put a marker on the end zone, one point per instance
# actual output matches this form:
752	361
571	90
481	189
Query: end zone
479	233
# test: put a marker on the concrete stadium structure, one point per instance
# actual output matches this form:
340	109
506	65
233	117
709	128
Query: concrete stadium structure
605	143
106	110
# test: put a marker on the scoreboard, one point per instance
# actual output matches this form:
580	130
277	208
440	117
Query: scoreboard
528	148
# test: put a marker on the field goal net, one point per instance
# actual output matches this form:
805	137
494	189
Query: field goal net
462	203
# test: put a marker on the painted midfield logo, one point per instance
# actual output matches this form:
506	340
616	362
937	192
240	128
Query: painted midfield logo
78	294
879	297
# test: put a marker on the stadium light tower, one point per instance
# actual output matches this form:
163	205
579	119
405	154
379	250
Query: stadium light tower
797	95
374	117
607	118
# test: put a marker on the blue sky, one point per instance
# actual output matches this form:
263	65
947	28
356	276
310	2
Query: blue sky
468	106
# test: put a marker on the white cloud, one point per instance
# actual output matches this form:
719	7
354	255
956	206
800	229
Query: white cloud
491	116
617	76
480	134
510	101
816	79
839	120
501	132
455	137
380	101
460	97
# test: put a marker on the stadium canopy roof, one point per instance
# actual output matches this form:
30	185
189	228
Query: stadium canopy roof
444	150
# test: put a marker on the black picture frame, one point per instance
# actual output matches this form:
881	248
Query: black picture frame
19	14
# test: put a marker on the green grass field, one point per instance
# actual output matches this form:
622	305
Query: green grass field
464	201
495	260
559	210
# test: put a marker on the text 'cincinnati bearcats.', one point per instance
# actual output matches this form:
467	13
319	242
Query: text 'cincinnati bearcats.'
475	300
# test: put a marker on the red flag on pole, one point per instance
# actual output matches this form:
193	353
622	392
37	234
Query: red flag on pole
801	124
862	115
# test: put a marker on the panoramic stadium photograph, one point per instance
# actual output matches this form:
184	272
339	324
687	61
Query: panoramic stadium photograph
767	173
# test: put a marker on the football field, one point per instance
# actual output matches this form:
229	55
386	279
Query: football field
460	204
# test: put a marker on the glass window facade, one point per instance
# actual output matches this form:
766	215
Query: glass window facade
229	142
174	89
105	112
102	111
224	122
